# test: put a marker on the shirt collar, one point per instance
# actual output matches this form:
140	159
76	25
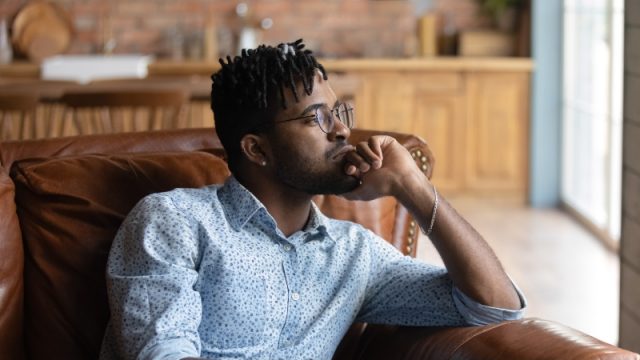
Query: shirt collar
241	205
319	222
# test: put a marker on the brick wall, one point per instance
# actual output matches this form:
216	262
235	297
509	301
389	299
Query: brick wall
331	27
630	242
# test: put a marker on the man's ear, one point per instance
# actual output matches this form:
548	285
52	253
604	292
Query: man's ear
254	149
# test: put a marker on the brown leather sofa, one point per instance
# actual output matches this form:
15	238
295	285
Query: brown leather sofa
62	200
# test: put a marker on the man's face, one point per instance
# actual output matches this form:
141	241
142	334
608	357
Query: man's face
304	157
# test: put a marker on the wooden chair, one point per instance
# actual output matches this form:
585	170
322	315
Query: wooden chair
98	112
17	116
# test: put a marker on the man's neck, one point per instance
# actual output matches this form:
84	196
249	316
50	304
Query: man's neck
290	208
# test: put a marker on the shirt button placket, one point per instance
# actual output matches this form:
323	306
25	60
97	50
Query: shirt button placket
289	263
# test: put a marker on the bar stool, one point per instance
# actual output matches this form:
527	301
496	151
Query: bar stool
95	112
17	116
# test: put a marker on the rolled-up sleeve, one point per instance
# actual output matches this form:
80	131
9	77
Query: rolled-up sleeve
475	313
151	280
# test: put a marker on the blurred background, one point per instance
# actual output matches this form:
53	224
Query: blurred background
176	29
530	106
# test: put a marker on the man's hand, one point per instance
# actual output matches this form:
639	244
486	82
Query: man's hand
386	168
381	164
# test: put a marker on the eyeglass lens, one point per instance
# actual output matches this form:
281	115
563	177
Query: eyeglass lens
344	113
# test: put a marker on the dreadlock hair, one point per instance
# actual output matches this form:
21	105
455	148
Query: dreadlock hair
248	90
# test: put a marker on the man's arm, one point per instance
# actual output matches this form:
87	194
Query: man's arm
387	169
151	277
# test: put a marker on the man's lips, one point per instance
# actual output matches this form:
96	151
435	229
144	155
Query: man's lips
340	152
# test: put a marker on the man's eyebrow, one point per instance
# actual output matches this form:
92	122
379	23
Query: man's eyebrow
316	106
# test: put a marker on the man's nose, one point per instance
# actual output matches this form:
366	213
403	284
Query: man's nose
340	131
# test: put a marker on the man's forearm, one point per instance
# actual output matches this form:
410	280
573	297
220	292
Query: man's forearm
471	263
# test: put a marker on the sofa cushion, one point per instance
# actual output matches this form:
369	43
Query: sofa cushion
70	209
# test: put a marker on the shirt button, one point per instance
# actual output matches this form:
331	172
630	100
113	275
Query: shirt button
286	247
295	296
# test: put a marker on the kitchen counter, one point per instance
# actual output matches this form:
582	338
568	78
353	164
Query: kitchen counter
194	76
181	68
164	67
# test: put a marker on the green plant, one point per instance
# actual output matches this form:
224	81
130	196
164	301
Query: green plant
496	8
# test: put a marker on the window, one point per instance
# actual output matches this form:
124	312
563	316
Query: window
592	111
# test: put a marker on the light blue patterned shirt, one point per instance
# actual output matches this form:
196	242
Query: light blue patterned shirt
206	272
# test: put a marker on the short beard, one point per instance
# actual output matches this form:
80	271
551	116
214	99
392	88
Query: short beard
304	177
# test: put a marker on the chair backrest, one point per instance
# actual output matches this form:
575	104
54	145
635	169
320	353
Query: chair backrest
17	116
114	111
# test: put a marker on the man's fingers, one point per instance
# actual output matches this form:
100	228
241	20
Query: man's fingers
351	170
368	153
355	159
375	142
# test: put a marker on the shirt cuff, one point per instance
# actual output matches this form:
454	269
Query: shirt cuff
174	349
475	313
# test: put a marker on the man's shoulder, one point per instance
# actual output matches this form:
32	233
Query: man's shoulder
181	195
182	200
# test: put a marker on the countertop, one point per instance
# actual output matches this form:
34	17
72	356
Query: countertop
194	76
181	68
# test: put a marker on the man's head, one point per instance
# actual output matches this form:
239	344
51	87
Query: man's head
268	105
249	90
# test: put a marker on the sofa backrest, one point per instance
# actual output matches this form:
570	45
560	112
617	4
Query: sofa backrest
70	197
11	246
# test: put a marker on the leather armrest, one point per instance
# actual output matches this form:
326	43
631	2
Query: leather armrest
522	339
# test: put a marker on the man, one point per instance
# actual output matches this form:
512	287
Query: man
252	269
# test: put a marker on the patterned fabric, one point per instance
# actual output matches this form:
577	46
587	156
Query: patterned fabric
206	272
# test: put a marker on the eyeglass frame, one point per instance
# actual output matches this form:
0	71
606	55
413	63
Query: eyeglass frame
315	116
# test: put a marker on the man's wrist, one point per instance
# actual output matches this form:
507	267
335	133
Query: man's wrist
412	188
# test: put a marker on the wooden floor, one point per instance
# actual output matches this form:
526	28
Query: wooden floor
565	273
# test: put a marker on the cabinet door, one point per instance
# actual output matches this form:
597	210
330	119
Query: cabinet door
386	104
498	120
427	105
439	120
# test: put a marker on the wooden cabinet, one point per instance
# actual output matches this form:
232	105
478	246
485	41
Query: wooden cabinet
476	123
497	132
427	105
440	121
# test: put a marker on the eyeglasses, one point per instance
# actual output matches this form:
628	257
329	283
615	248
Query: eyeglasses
325	117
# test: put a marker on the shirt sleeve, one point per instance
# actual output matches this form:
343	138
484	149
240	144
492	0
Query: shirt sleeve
151	278
476	313
405	291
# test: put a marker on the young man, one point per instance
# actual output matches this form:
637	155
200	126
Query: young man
252	269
